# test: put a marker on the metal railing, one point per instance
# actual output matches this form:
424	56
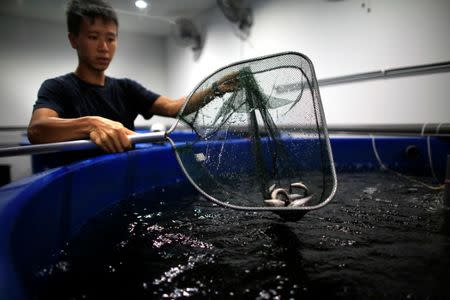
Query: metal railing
426	129
439	67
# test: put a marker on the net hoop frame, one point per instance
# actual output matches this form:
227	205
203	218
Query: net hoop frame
325	131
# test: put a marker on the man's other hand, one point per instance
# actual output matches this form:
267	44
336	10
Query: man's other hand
110	135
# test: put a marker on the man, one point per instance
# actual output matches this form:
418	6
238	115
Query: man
89	104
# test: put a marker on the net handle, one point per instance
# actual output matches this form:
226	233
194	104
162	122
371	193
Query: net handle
75	145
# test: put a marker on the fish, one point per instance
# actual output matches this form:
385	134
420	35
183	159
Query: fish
300	202
275	202
280	194
298	185
281	198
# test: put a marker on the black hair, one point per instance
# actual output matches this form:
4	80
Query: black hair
79	9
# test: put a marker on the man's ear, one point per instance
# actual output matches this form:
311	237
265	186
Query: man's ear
73	40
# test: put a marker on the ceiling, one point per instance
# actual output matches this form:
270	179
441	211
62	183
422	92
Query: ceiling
155	20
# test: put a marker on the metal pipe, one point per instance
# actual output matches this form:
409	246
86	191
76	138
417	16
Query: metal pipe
75	145
388	73
13	128
427	129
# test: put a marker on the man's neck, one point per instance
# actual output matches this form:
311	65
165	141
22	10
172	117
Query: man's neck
91	76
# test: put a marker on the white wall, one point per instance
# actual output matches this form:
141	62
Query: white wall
341	38
32	51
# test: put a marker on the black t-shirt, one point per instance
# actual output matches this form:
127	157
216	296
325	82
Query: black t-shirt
120	100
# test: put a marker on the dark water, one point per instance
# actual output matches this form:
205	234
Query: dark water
381	237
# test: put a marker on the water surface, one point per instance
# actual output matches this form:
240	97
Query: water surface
381	237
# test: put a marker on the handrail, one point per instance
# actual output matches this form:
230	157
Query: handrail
415	129
426	129
439	67
75	145
13	128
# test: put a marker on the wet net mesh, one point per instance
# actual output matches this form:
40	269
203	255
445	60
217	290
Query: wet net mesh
265	133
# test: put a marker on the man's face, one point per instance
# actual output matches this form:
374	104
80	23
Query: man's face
96	43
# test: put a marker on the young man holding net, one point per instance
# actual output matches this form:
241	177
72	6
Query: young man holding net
89	104
254	149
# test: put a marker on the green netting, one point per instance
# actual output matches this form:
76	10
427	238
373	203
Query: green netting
259	138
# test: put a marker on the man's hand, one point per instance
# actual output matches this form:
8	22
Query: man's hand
111	136
47	127
228	83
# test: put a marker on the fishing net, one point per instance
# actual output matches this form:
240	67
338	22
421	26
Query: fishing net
261	141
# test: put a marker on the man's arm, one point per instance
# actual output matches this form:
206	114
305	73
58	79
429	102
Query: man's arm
47	127
165	106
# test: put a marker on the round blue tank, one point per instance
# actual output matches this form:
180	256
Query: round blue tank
39	214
